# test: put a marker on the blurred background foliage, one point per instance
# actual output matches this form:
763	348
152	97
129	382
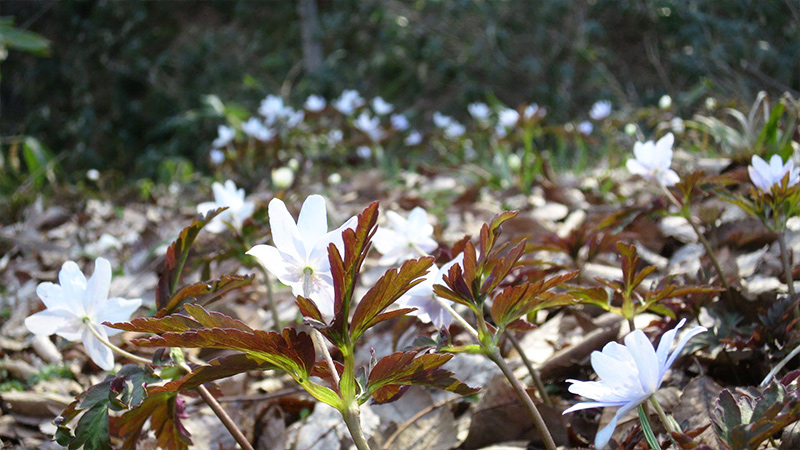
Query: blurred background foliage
123	84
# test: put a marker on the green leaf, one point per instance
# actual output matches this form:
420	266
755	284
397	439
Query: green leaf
392	375
169	273
205	292
92	430
165	411
22	40
648	431
393	284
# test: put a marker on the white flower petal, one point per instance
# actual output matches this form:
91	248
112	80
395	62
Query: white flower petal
646	361
73	283
98	286
670	178
116	310
604	435
313	219
276	263
52	295
285	233
682	343
636	168
100	354
54	321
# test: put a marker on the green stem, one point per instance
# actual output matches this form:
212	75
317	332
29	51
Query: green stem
537	378
494	355
686	213
319	339
647	429
787	266
669	425
273	308
353	421
113	347
459	318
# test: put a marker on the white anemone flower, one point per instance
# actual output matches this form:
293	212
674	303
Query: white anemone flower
422	297
225	135
76	307
413	138
238	210
532	110
272	108
299	258
508	117
441	121
369	126
348	102
454	131
381	106
216	156
479	111
315	103
405	238
652	160
256	129
764	175
399	122
585	128
600	110
629	375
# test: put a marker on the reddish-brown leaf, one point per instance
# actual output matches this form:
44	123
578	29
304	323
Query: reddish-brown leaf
165	411
400	369
216	369
394	283
517	301
205	292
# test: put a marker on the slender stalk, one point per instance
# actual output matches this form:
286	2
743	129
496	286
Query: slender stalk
224	417
688	216
537	378
318	338
780	365
787	266
273	308
631	324
495	356
221	414
113	347
459	318
353	421
647	429
669	425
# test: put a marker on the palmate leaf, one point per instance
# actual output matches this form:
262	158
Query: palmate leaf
345	269
290	351
393	284
125	390
500	268
205	292
165	411
631	279
392	375
491	231
459	281
171	269
518	301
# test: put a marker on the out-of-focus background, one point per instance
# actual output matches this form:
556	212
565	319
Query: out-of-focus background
134	88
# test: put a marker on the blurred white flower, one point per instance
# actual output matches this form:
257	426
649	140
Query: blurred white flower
294	118
585	128
216	156
335	136
103	245
315	103
630	129
225	135
334	178
422	297
514	162
531	111
75	305
381	106
677	125
764	175
413	138
348	102
299	258
93	174
454	130
440	120
653	160
508	117
629	375
500	131
364	152
403	238
256	129
238	210
369	126
399	122
282	177
711	103
293	164
272	108
600	110
479	111
665	102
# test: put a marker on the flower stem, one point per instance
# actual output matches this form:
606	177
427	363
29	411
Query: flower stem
273	308
459	318
352	418
318	338
221	414
686	213
113	347
670	425
537	379
494	355
787	266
